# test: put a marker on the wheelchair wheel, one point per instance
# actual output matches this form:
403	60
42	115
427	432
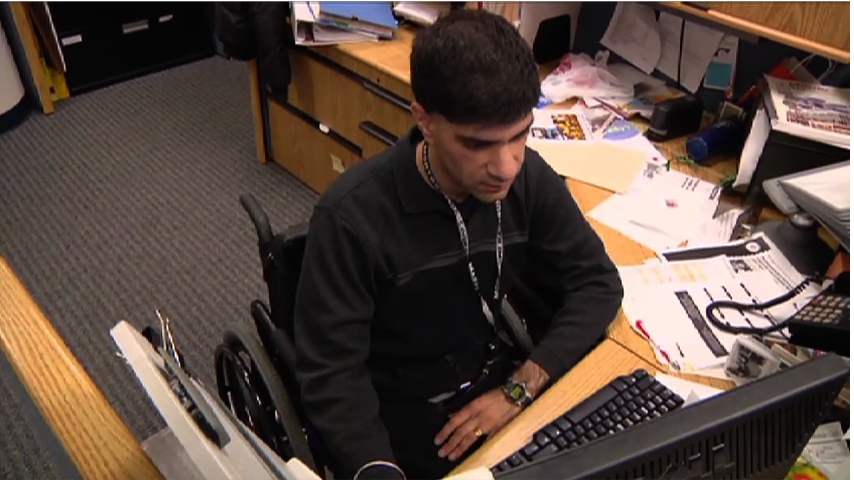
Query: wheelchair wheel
251	387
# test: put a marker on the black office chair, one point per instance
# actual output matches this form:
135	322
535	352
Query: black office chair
255	370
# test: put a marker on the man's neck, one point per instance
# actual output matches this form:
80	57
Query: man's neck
442	178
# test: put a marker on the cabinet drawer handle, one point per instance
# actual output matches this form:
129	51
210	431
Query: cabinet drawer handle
386	95
378	132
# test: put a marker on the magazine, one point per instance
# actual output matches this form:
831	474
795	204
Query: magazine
809	110
560	126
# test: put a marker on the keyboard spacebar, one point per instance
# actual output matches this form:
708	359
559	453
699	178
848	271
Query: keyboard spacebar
593	403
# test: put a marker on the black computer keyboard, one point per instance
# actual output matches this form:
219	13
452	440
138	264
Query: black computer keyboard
626	401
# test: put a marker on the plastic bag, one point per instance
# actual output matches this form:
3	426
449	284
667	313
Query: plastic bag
580	76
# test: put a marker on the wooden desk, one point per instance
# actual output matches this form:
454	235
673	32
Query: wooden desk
99	443
596	370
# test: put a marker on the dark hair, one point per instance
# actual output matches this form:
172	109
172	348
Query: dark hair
473	67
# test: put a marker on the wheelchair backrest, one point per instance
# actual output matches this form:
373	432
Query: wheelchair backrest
282	270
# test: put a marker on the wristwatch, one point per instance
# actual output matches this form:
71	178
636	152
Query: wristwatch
517	392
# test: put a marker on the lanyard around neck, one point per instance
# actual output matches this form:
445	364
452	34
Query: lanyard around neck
464	238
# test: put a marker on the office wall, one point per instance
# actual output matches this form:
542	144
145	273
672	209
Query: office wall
753	60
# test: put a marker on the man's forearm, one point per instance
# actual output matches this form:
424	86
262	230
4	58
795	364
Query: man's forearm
533	376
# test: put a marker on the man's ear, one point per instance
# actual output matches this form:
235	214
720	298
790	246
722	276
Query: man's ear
422	119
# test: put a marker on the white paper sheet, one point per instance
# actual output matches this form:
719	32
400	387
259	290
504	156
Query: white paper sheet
716	230
827	449
633	35
687	389
760	130
699	46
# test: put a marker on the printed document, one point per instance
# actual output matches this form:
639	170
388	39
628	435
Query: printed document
699	46
633	35
673	313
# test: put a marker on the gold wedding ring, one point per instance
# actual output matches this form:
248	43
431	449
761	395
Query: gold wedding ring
478	432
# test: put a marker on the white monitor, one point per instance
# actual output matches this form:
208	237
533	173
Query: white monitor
228	451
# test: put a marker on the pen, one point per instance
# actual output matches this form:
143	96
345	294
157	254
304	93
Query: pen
614	110
639	325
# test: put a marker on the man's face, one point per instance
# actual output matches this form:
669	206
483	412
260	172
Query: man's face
482	160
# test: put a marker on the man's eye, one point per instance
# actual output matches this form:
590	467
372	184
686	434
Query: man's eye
478	145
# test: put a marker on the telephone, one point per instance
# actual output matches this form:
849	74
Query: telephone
823	324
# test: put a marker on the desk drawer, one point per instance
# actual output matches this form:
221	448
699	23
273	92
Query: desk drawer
342	100
316	158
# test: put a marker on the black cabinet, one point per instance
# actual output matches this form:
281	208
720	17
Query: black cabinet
108	42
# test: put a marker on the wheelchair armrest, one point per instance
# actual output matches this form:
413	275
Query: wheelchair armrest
276	342
258	217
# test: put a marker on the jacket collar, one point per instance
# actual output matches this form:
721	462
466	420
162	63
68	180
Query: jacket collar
415	193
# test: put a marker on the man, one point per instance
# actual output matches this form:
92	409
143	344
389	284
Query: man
391	316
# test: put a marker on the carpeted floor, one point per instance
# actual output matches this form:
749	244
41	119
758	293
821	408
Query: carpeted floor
126	200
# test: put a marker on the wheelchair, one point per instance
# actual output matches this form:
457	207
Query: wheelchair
255	369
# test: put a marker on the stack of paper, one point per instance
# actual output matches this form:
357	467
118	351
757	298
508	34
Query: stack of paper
662	209
667	302
825	194
330	23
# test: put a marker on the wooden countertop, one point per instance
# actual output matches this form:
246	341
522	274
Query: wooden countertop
99	443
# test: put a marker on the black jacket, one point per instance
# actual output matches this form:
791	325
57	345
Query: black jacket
258	30
385	293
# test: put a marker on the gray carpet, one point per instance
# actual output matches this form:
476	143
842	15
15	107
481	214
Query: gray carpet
126	200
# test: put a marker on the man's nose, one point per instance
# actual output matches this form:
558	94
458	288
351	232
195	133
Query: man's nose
505	166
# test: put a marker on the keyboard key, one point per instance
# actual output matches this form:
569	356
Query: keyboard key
619	427
591	404
648	395
654	414
626	396
640	374
635	417
591	435
624	412
563	424
545	452
663	409
573	444
498	468
626	422
595	418
642	411
530	449
657	387
629	380
587	424
562	443
570	436
582	441
650	406
645	382
666	394
619	385
617	418
541	439
503	466
657	400
634	391
670	403
619	402
612	407
599	429
515	460
552	431
608	423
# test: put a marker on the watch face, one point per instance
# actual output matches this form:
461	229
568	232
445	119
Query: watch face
517	392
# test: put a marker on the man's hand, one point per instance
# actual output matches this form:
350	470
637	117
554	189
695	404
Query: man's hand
484	416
